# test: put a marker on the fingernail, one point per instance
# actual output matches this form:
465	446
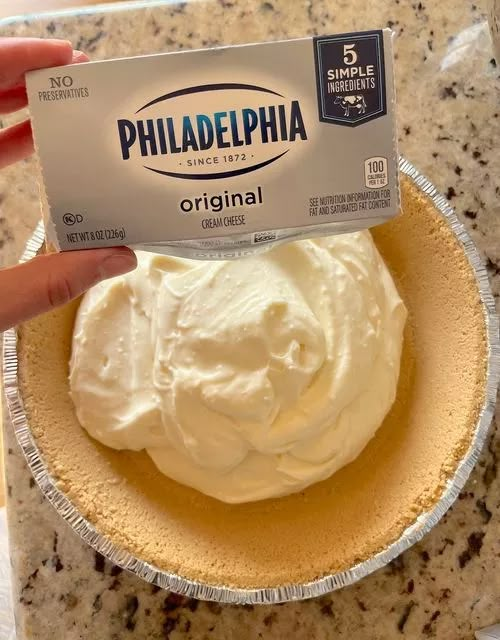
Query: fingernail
80	56
118	263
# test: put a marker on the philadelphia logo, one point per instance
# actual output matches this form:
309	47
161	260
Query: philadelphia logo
241	128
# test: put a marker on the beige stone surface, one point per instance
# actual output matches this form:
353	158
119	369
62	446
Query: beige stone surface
449	126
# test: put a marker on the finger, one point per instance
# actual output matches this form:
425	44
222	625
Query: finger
16	143
19	55
52	280
13	99
16	98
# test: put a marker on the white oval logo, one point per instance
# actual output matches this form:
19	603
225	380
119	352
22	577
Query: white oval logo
212	131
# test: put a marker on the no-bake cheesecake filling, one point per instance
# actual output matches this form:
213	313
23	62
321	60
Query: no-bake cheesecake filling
248	379
330	525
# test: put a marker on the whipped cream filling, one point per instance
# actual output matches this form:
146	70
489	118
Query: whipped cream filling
247	379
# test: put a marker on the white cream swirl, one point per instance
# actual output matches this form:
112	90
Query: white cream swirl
248	379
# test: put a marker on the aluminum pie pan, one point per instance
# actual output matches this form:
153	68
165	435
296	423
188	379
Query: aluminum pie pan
224	594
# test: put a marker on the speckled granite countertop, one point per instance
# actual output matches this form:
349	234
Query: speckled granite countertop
449	104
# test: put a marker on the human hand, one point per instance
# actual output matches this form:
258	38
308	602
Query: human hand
46	281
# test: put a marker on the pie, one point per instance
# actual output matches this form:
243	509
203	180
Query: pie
332	525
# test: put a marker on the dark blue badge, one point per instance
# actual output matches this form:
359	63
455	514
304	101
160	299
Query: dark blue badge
350	77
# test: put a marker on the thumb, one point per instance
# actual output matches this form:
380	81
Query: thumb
52	280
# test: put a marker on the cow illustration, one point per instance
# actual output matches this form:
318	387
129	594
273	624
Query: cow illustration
351	102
